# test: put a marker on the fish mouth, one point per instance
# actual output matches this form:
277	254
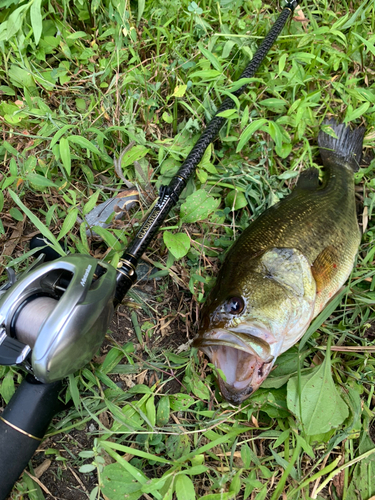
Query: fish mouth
244	359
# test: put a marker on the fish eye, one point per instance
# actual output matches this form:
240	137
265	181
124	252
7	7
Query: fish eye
234	305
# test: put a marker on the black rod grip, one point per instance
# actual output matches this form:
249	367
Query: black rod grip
23	424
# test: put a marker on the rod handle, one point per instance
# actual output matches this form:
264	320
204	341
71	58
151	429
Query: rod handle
23	424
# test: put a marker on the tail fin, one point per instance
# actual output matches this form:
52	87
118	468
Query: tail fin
346	150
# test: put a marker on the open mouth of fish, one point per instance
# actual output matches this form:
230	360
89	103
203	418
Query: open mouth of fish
244	360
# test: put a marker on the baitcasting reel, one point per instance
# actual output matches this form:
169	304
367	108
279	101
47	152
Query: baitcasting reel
54	317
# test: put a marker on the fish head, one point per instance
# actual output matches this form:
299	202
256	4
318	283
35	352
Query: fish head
247	322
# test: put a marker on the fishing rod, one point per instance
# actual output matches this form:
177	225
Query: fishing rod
54	316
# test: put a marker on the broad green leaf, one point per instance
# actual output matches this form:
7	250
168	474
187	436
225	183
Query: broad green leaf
248	132
15	21
153	485
227	48
328	130
167	117
282	62
198	206
68	223
363	473
91	203
81	104
163	411
179	91
86	453
246	455
59	134
86	468
235	200
65	154
244	81
284	464
235	485
288	174
202	175
353	114
184	488
84	143
228	113
200	389
178	244
276	105
119	484
15	214
20	77
197	461
319	406
275	132
211	57
77	34
196	470
206	75
284	150
14	152
111	360
368	43
36	19
74	391
177	446
39	180
151	410
134	154
7	90
7	388
141	8
33	489
181	402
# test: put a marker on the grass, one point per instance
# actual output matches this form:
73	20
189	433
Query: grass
80	81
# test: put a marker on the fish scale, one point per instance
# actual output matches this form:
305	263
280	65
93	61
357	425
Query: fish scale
283	269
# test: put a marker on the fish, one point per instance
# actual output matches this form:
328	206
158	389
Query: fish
283	269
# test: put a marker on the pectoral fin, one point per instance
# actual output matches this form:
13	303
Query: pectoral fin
325	268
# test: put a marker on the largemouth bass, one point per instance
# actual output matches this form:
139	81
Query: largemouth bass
283	269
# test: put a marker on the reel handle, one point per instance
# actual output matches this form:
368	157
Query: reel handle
23	424
39	241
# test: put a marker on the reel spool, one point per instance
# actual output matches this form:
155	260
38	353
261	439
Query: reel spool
55	316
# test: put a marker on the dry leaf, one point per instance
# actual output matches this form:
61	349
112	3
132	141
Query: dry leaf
41	469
